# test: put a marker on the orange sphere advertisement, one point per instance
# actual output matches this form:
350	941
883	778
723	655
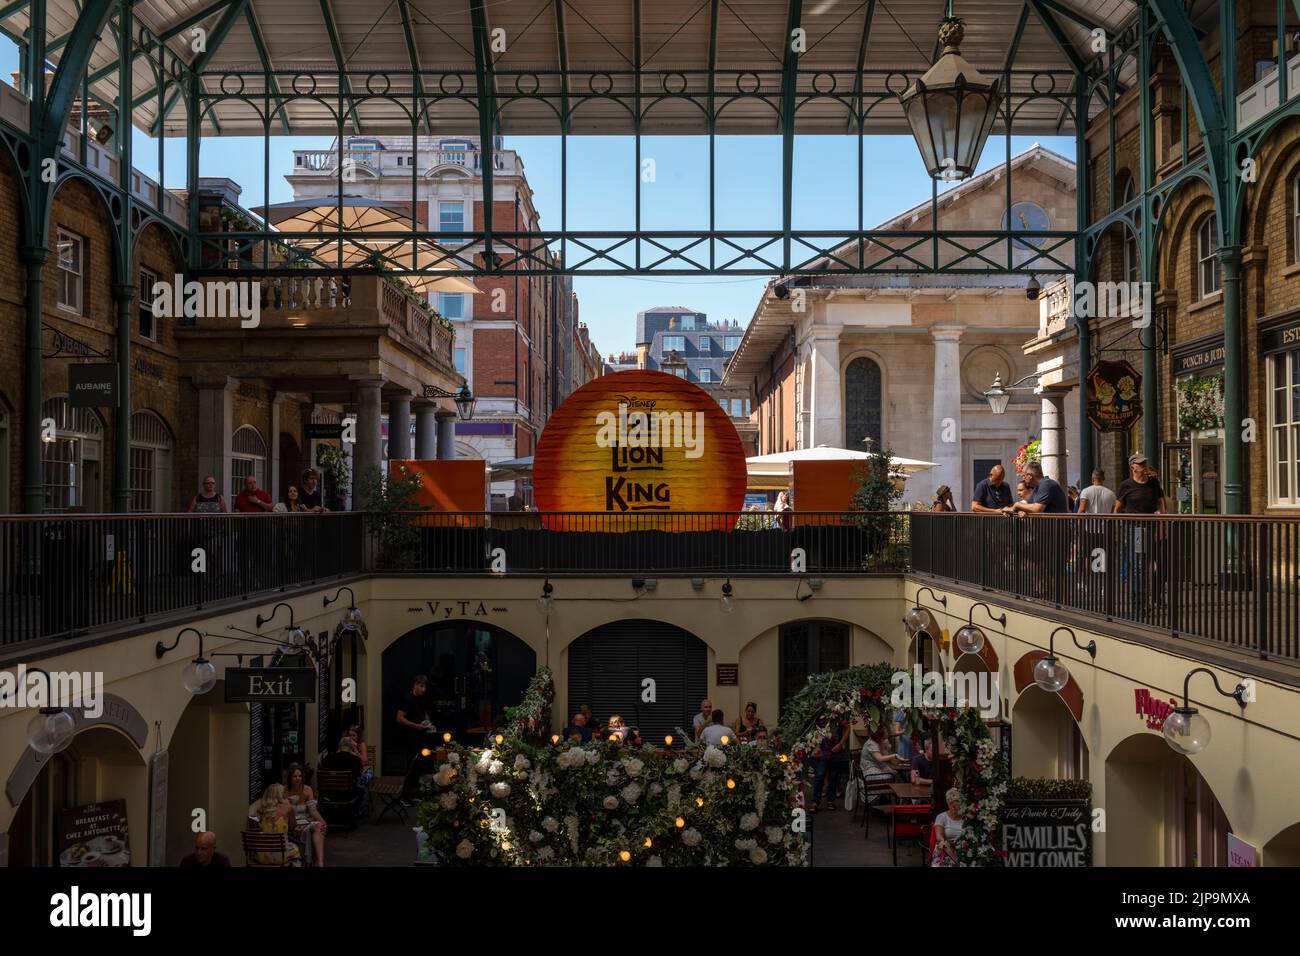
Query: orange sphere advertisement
644	445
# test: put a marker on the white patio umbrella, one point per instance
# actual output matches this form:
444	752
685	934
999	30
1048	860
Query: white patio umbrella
777	470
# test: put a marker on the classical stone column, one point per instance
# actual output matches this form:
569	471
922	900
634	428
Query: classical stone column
426	431
215	431
399	427
946	442
446	435
366	454
1053	438
827	389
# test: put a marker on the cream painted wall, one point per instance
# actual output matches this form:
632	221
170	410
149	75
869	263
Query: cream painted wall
1252	764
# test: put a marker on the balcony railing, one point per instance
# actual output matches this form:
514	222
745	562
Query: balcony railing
1261	98
308	161
1232	581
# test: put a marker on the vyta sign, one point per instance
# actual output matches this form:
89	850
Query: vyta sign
640	443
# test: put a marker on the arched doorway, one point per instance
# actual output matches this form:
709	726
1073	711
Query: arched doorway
100	766
475	671
208	768
609	664
1283	849
1048	743
1159	809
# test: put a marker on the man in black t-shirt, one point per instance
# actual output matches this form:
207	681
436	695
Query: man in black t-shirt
309	498
1141	494
993	493
414	724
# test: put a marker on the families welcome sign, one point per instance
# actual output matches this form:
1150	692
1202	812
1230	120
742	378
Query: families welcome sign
641	444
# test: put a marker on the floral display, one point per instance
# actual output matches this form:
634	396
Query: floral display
1030	451
1200	403
531	720
603	804
863	693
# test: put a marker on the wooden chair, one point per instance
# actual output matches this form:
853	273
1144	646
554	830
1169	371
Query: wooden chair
259	846
911	820
337	797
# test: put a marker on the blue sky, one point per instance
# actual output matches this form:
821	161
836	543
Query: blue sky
602	174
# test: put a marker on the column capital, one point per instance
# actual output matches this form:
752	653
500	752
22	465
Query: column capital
445	413
946	333
225	382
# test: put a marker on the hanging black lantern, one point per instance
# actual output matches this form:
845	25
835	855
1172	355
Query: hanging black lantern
951	108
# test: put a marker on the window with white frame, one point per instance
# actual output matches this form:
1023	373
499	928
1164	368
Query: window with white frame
248	458
688	323
673	343
1208	275
459	357
146	323
450	305
151	463
451	216
70	455
737	407
680	372
1284	428
72	268
732	343
1295	218
704	345
706	375
1132	270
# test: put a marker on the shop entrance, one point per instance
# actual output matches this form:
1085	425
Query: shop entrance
475	672
1195	474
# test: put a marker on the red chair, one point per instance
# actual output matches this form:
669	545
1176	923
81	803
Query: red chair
911	820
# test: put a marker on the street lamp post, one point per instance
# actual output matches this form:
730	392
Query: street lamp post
464	398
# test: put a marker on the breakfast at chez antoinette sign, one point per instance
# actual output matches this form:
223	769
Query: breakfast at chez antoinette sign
640	444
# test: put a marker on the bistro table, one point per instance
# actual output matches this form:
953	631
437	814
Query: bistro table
909	792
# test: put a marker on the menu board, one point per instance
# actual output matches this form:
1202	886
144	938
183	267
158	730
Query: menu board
94	835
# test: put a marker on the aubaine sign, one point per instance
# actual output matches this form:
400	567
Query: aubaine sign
639	443
271	685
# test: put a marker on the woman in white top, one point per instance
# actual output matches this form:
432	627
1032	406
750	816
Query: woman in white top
947	831
877	761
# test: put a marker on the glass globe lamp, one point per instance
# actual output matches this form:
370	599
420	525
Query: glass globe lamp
199	676
50	730
969	639
1050	674
1186	730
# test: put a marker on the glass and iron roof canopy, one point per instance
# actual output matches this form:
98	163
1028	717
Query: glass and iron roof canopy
545	67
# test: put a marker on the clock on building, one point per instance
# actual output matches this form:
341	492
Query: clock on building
1027	217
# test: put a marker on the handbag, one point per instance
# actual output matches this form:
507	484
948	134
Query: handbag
851	794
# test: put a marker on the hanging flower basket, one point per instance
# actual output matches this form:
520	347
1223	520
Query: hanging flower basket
1030	451
1200	403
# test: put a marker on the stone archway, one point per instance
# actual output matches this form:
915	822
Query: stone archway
1283	849
1047	740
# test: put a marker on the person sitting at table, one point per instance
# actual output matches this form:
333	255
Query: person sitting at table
878	762
947	831
749	726
275	814
578	731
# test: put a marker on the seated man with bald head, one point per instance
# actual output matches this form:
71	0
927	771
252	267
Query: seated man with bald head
205	855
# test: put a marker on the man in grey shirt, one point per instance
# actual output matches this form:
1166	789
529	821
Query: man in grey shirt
1097	498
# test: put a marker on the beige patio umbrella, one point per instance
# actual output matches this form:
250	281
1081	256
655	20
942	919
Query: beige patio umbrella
322	214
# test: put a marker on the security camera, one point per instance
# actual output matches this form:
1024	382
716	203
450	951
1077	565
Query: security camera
1032	288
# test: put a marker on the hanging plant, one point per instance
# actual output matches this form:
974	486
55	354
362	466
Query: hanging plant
1200	403
1030	451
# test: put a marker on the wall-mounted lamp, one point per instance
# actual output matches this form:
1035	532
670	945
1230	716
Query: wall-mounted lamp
52	728
200	674
545	602
727	603
919	618
295	636
1185	729
1049	673
970	639
351	617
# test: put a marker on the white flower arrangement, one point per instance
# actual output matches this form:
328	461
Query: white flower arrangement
675	796
714	757
749	822
464	849
535	837
521	762
495	767
774	834
593	758
550	824
634	767
654	861
610	803
746	845
444	776
484	762
691	836
630	794
611	777
453	758
546	854
447	800
680	764
758	856
500	790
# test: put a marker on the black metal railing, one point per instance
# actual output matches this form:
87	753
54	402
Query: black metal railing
64	575
1231	580
681	542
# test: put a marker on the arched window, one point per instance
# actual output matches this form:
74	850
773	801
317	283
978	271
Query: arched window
248	457
1132	261
71	458
1208	276
862	404
151	463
